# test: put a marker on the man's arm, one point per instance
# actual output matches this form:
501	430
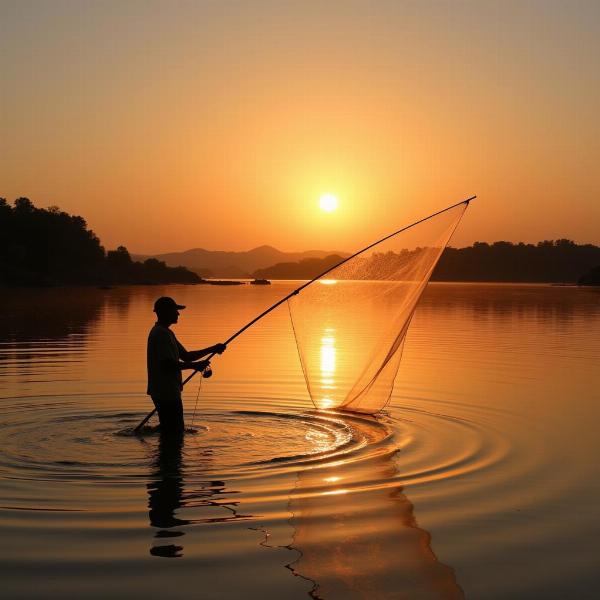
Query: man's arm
182	359
182	365
192	355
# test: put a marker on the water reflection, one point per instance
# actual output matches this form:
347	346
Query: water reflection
165	494
508	302
47	315
357	533
328	365
169	494
46	330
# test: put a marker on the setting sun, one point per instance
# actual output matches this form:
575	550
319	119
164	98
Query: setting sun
328	202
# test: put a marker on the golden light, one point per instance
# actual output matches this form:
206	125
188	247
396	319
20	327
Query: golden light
326	403
335	492
328	363
328	202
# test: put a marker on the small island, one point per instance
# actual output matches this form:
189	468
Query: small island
222	282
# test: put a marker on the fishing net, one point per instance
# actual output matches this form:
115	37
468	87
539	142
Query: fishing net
351	323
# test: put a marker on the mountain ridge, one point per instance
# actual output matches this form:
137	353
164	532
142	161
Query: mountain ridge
548	261
227	263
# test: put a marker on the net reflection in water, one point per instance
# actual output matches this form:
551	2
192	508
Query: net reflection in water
343	549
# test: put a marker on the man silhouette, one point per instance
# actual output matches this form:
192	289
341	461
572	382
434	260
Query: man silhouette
166	358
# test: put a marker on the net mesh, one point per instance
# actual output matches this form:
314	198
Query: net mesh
350	324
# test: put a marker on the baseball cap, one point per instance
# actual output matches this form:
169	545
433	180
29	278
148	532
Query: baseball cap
165	302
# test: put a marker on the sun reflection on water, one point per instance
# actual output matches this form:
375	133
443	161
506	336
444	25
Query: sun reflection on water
328	365
334	492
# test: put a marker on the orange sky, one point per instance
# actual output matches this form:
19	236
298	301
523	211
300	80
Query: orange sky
218	124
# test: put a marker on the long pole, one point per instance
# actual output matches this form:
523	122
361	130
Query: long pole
304	285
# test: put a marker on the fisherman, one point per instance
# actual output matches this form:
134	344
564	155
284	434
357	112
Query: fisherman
166	358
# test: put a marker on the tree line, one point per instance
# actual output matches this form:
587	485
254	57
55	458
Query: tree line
550	261
47	246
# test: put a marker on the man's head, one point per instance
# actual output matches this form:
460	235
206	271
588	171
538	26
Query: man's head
167	310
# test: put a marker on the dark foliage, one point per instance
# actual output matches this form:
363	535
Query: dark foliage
590	278
50	247
559	261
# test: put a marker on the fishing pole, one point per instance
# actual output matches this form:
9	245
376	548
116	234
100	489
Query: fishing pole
304	285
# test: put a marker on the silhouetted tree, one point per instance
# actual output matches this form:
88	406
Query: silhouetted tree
119	258
48	246
560	261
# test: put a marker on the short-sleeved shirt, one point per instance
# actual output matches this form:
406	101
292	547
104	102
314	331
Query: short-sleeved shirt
163	379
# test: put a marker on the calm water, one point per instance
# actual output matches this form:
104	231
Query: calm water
481	480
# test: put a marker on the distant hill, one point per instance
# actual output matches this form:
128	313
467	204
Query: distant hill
219	263
306	268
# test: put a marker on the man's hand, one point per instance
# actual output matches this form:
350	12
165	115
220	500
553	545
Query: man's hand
201	365
219	348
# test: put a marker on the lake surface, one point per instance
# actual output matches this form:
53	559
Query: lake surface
480	480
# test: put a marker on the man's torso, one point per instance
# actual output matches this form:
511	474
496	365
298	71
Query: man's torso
164	379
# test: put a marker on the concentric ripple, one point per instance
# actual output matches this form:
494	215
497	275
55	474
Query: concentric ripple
53	440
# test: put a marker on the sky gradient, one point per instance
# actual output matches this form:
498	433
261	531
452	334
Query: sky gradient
172	125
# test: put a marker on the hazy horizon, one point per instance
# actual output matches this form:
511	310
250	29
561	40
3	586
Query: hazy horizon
221	124
302	250
258	244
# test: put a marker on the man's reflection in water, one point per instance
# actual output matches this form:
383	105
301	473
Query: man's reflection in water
357	534
165	493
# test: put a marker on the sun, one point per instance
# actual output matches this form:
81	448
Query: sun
328	202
